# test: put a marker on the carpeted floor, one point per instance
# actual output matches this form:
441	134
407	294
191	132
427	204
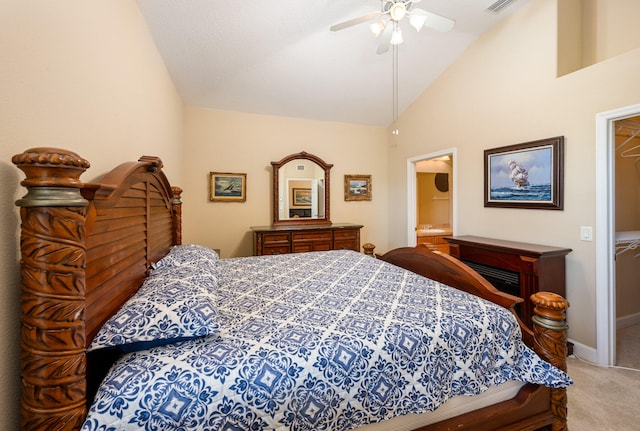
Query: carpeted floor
628	347
607	399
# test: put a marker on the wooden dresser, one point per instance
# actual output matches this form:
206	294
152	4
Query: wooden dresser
299	239
518	268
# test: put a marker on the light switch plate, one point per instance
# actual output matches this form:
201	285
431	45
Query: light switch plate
586	233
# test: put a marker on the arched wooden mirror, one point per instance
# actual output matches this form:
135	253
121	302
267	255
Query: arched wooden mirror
301	190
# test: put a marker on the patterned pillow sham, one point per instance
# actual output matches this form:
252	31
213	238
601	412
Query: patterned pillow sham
176	302
187	254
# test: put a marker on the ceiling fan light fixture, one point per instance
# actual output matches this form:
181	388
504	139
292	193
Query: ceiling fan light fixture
397	11
377	27
396	36
387	22
417	19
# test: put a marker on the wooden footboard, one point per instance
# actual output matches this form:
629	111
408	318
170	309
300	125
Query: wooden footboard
535	407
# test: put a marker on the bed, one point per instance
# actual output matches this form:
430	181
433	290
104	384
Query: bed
86	249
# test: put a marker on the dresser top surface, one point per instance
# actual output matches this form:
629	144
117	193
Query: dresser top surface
306	227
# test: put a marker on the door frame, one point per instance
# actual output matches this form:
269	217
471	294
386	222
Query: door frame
605	232
411	191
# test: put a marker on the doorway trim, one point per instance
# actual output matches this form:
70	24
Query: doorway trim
411	191
605	233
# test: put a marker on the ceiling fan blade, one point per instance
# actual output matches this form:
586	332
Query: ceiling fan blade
355	21
385	40
435	21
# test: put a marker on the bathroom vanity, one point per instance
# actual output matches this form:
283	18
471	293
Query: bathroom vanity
434	238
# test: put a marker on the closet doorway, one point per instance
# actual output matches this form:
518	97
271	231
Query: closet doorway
627	228
438	201
617	236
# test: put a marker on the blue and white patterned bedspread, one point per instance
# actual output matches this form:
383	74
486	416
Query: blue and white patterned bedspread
319	341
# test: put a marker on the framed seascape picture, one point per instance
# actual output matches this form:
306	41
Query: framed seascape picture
357	187
301	197
528	175
226	187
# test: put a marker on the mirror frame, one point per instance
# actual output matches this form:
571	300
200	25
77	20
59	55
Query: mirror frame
327	187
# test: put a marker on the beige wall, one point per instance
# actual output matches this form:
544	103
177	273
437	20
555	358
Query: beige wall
591	31
84	76
503	90
610	28
222	141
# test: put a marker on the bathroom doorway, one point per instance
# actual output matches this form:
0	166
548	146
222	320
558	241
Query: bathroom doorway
431	198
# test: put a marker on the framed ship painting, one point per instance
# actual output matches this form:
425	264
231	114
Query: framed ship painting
527	175
226	187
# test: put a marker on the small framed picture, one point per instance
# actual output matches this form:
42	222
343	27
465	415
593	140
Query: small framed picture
357	187
528	175
301	197
227	187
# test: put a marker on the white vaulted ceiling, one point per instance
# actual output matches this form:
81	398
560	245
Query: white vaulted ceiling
278	57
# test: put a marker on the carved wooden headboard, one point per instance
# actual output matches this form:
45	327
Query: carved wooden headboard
85	249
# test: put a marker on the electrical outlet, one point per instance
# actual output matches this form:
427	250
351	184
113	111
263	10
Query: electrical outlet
586	233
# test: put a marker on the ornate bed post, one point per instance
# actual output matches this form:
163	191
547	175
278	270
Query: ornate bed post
177	214
368	249
550	334
53	259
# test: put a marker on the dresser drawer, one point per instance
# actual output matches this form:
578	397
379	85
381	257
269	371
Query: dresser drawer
340	234
350	244
275	238
311	236
306	246
276	249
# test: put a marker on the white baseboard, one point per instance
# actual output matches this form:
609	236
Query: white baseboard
628	320
589	353
585	352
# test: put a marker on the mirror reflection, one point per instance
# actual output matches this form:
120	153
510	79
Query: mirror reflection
301	189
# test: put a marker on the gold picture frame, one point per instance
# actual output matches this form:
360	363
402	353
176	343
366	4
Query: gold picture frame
301	197
357	187
227	187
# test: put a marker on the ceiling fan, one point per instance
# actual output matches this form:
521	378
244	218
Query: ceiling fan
391	13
